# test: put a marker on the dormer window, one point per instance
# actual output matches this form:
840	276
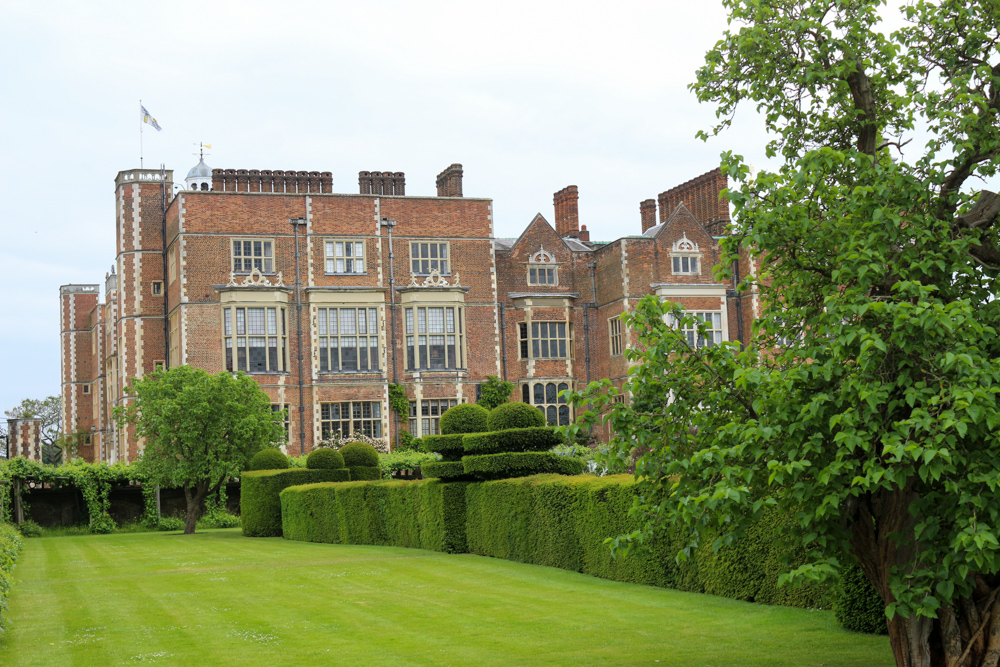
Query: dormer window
542	268
686	257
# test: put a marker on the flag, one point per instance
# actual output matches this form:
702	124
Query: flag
146	118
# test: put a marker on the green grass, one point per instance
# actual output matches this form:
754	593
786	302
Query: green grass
218	598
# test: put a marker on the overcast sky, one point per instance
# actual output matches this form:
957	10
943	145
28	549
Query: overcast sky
529	96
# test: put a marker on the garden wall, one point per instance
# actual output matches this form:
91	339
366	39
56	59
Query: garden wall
65	505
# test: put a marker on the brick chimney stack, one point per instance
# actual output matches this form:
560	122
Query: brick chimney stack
647	211
567	211
449	181
584	234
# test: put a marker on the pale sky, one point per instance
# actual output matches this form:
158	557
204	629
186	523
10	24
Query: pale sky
528	96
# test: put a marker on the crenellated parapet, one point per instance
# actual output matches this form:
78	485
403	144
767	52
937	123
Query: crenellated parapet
275	181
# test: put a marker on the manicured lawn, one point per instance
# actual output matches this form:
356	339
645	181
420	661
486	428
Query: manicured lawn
221	599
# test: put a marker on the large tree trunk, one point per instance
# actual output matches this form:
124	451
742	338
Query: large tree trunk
966	634
195	495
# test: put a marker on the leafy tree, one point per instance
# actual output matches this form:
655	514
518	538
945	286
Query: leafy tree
49	410
199	429
494	392
867	405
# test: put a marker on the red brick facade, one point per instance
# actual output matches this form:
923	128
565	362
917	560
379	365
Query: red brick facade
449	302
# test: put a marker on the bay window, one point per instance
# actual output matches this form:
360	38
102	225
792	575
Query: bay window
434	338
255	339
348	339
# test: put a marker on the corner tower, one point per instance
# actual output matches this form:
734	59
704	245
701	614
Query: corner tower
141	196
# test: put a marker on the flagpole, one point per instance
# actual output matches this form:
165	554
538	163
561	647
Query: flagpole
140	134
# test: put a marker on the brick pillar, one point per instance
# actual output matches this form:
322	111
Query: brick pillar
314	180
219	180
399	183
449	181
647	211
567	211
326	181
230	183
254	180
266	180
242	180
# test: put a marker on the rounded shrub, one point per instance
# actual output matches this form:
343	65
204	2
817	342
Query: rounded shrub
325	459
464	418
514	415
359	454
268	459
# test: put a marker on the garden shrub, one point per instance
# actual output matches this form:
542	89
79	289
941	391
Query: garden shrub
325	459
29	528
167	523
260	506
514	415
10	547
450	447
520	464
858	606
512	440
449	470
365	473
402	460
357	453
268	459
407	442
428	514
464	418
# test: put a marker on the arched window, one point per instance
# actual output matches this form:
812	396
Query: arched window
548	399
685	257
542	268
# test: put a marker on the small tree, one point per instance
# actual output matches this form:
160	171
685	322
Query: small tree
494	392
200	429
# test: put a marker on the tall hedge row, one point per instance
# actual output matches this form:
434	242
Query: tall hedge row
563	521
429	514
260	505
10	547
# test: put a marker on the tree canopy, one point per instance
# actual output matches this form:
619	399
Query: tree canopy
866	404
198	429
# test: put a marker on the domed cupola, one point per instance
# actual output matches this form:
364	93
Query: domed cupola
200	176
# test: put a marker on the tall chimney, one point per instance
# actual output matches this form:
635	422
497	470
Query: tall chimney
449	181
567	211
647	211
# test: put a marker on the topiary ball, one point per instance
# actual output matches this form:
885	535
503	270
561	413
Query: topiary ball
325	459
359	454
514	415
464	418
268	459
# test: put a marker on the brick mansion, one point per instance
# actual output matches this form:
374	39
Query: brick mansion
328	298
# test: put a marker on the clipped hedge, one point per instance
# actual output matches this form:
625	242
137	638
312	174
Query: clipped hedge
365	473
563	522
512	440
260	505
268	459
464	418
325	459
443	470
428	514
450	447
520	464
10	547
514	415
858	606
